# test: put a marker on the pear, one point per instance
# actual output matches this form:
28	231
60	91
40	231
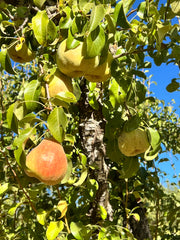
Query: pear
47	162
73	63
58	83
21	55
134	142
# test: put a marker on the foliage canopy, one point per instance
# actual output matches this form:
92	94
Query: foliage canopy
105	194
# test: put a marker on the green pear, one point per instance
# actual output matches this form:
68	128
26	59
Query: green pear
73	63
134	142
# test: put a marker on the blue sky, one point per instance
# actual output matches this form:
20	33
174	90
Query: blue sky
163	75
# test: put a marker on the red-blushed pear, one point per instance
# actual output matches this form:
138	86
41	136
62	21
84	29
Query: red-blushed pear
73	63
134	142
58	83
21	53
47	162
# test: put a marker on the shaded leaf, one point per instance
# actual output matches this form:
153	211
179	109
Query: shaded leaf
130	167
39	3
76	228
120	17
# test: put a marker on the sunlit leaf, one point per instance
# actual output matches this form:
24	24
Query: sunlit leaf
5	61
62	207
76	229
82	178
56	123
103	212
97	15
31	95
4	188
41	216
54	229
95	42
44	29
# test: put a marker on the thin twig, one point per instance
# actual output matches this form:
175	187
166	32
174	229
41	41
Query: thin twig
18	181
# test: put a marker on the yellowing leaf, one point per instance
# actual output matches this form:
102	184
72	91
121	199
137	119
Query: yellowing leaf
62	207
54	229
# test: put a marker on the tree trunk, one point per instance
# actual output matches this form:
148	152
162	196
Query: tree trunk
92	134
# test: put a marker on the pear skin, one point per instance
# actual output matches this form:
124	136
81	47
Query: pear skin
23	55
47	162
58	83
72	62
133	143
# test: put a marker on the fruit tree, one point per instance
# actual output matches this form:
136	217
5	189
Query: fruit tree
81	133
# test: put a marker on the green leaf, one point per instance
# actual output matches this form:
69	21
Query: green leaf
71	41
44	29
12	119
154	137
120	17
20	157
41	216
97	15
5	61
67	97
66	22
13	209
83	159
95	42
82	178
132	123
130	167
39	3
23	136
103	212
175	6
4	188
31	95
56	123
76	229
68	173
62	207
141	10
54	229
111	25
173	86
162	30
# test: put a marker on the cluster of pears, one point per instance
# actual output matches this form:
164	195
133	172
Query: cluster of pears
47	161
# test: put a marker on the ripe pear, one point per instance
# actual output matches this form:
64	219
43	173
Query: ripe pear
23	55
134	142
73	63
58	83
47	162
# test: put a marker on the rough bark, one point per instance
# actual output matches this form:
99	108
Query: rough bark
92	134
